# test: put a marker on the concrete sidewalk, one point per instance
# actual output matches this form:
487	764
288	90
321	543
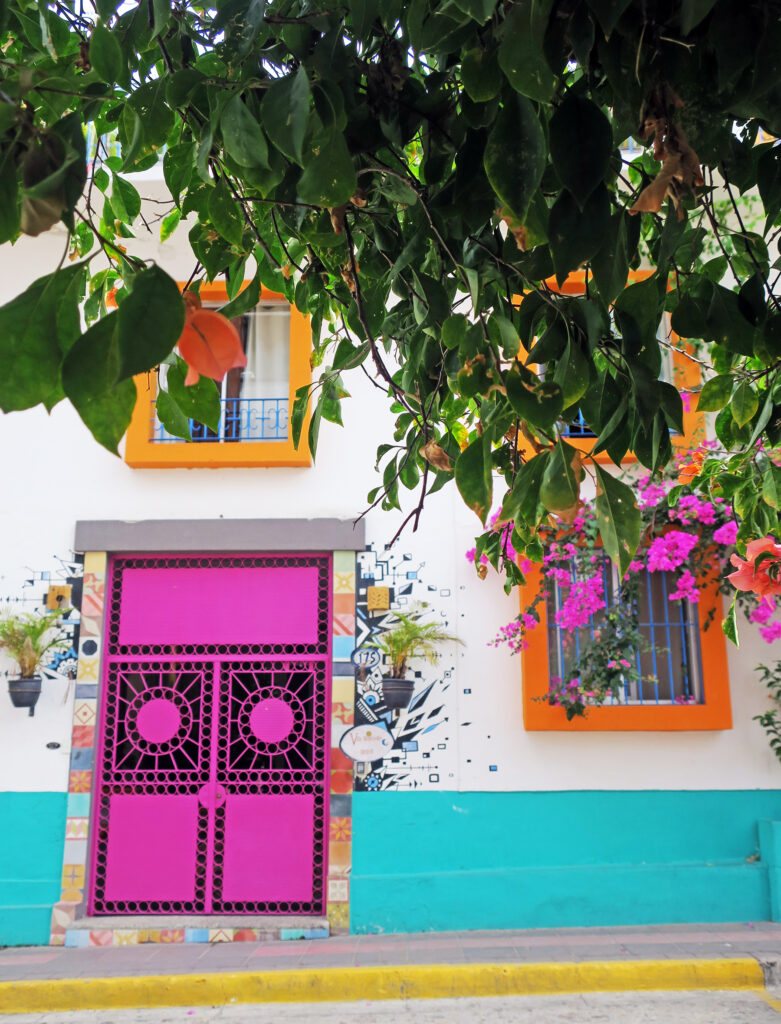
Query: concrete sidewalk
427	965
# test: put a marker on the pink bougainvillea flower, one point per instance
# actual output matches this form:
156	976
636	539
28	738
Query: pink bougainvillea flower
667	552
210	344
763	579
727	533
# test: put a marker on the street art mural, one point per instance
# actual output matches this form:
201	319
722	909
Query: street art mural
411	748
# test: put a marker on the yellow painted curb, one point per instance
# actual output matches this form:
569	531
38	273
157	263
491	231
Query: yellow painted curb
348	984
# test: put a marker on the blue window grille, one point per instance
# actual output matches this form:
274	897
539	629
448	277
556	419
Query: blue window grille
578	428
241	419
669	663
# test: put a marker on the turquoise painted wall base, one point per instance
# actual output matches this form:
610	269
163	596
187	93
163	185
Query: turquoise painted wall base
450	861
30	865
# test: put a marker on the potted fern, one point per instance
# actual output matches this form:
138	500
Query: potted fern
407	639
27	636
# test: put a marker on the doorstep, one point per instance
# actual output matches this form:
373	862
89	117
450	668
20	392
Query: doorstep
143	928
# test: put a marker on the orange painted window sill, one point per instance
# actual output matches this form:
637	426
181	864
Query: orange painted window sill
143	453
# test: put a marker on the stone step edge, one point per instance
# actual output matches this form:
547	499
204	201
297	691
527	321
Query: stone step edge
101	931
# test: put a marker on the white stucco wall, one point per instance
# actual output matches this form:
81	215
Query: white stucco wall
54	474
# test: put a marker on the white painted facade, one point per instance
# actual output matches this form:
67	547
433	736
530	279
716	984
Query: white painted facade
55	474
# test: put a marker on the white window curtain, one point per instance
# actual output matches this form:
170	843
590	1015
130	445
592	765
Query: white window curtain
266	374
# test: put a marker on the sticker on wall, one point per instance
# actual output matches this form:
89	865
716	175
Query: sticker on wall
367	742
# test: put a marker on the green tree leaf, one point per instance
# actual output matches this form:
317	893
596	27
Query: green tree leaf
285	113
515	155
618	519
89	378
521	51
715	393
151	319
481	74
30	351
581	143
173	419
224	213
243	137
473	476
576	235
105	55
743	404
561	482
329	175
200	401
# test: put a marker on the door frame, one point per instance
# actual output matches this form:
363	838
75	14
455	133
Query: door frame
98	541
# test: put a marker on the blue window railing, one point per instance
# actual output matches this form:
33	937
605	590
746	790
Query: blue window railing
241	419
668	663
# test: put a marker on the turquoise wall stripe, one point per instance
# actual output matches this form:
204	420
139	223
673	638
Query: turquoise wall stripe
447	860
30	865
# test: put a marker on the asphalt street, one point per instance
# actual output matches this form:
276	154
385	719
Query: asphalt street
596	1008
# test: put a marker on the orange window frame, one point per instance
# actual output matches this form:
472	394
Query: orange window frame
714	713
141	452
686	377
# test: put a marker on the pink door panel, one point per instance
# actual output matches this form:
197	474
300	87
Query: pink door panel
152	848
214	737
269	848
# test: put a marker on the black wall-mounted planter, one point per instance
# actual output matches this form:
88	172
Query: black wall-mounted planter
396	693
24	693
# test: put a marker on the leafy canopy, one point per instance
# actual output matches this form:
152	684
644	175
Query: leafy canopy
419	178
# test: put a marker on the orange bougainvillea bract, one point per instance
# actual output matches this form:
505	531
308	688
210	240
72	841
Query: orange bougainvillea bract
763	579
210	344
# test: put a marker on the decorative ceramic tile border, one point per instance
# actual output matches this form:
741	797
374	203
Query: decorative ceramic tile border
342	704
82	747
72	900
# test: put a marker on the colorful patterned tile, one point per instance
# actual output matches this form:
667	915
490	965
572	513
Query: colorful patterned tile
78	805
57	939
62	916
344	582
76	828
75	853
172	935
245	935
84	712
343	690
76	938
344	624
340	760
339	858
80	782
338	890
341	829
344	604
338	915
196	935
221	934
344	561
125	937
82	758
101	938
95	565
83	736
73	876
343	647
87	670
341	781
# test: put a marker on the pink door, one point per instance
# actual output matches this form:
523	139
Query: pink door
212	763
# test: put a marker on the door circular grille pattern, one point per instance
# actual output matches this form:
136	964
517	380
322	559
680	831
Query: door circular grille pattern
263	724
158	720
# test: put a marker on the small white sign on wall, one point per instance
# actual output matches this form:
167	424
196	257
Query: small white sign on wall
366	743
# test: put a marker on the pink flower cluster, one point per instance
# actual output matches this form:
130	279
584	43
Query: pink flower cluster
686	588
513	635
649	493
726	534
691	509
670	550
585	597
762	614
